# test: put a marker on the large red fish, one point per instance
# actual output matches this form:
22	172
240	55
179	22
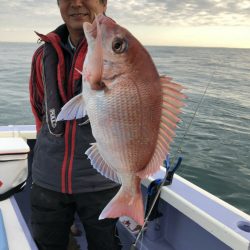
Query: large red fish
132	110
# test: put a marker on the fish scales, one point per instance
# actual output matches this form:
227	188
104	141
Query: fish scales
123	141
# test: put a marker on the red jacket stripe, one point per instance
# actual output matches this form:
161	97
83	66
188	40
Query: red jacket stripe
64	166
72	157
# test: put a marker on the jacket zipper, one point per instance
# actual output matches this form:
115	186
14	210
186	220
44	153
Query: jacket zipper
71	123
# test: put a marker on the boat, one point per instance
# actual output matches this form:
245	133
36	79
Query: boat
186	217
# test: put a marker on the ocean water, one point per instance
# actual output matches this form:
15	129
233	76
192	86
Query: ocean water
215	145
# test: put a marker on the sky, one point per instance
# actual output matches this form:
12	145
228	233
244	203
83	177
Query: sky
205	23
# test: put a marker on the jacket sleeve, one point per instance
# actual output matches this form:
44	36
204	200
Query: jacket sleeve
36	87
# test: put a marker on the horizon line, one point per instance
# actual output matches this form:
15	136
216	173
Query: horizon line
157	45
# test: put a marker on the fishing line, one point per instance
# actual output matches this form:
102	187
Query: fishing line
179	150
180	147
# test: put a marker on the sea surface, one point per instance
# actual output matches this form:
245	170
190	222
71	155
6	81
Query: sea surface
214	135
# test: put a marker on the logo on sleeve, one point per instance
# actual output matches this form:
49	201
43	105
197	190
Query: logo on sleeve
52	114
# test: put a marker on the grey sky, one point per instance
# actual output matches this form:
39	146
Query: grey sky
43	16
30	13
184	12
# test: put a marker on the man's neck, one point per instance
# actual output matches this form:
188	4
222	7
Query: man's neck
76	37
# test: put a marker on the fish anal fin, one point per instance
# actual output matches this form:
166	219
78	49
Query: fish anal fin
100	165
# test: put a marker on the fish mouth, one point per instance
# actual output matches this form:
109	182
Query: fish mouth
95	65
91	28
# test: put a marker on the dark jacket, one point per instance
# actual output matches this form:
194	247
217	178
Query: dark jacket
59	161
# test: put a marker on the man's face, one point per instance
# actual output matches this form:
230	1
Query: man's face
75	12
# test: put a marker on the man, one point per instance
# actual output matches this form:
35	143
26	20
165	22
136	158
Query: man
64	181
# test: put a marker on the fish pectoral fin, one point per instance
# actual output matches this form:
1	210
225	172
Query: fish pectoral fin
73	109
100	165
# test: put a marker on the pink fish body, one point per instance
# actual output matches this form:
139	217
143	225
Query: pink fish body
132	110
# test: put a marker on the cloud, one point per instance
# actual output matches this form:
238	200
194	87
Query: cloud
44	15
181	12
27	14
150	12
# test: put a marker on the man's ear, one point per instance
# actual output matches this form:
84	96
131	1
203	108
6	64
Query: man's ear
105	5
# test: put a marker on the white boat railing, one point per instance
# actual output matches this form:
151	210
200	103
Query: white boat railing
24	131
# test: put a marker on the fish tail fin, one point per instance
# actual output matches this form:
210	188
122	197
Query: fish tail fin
124	204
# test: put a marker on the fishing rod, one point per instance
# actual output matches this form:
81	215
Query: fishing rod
168	165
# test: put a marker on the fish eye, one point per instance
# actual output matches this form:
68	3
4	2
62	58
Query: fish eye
119	45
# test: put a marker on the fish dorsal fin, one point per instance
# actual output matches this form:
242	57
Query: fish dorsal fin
73	109
100	165
171	108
